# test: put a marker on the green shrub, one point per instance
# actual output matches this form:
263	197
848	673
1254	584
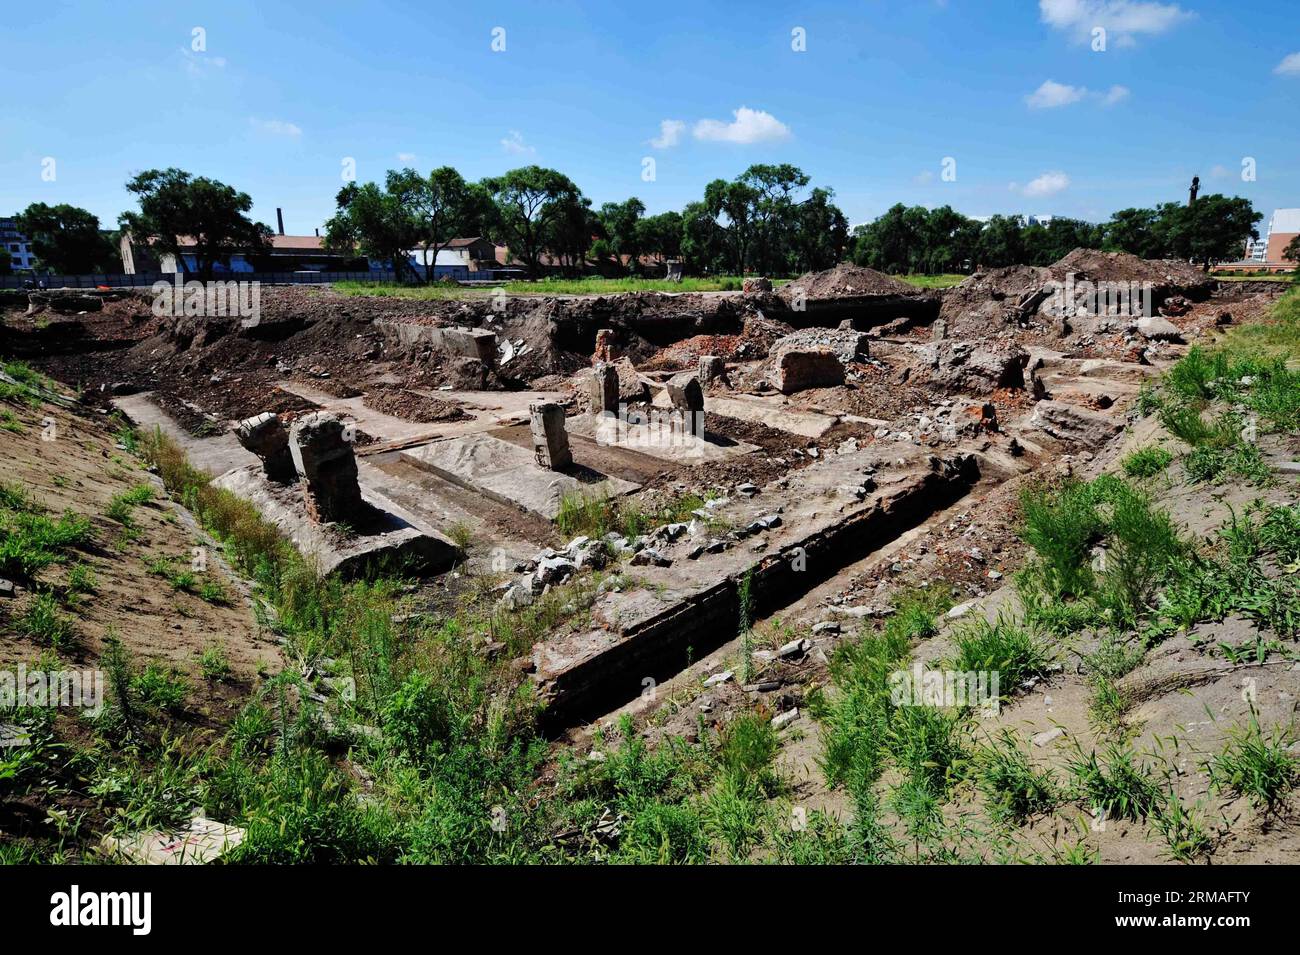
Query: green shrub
1146	462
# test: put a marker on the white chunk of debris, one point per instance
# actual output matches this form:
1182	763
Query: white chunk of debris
782	720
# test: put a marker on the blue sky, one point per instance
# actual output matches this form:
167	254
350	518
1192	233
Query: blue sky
1036	119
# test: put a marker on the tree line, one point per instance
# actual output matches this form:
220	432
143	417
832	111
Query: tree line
914	239
768	220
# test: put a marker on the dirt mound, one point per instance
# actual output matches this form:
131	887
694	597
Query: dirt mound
845	281
413	406
1166	275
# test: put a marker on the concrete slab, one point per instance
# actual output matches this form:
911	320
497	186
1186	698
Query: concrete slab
489	409
827	519
386	530
216	455
660	443
772	411
199	843
510	474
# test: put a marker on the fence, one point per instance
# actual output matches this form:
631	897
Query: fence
147	279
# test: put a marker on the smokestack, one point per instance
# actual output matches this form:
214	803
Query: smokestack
1196	187
318	233
280	218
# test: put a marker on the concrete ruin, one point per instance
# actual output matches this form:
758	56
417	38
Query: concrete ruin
476	343
799	369
685	394
266	436
550	440
604	389
323	456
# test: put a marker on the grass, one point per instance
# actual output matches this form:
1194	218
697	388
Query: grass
1146	462
595	516
30	541
1257	765
933	281
43	622
1116	786
1013	789
123	504
1004	647
213	664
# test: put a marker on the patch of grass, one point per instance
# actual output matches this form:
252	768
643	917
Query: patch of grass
1257	765
746	749
461	534
1183	830
1117	785
1013	789
9	422
1005	648
121	505
31	541
159	688
1146	462
1061	525
947	280
43	622
213	663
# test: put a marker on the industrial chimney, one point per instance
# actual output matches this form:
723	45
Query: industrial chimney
1196	187
279	215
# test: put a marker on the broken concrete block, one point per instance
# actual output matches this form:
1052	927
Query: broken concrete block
604	389
798	369
649	557
1159	329
323	457
785	719
1067	422
685	393
266	436
717	678
6	588
759	285
711	369
550	440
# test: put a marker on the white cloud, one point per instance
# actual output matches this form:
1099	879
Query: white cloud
1116	94
201	64
1123	20
276	127
1220	171
670	133
749	126
1290	65
923	178
406	157
1052	94
515	145
1048	184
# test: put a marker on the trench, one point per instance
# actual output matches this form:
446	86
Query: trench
663	646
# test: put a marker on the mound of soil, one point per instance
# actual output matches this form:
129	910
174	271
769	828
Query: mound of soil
1167	276
413	406
845	281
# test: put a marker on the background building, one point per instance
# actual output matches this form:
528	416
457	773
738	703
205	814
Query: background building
14	242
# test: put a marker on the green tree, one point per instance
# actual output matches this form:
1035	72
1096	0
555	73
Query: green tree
176	205
440	206
660	236
620	233
704	241
375	223
820	235
1213	228
731	204
526	203
1135	231
66	239
1001	242
1292	251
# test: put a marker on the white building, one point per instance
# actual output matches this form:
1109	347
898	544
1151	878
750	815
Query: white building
15	243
